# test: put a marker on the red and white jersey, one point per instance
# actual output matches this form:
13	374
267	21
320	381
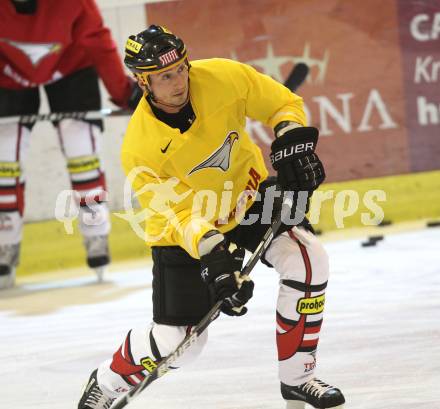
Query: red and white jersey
61	37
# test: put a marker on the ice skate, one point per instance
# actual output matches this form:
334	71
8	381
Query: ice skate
93	397
98	256
8	262
316	393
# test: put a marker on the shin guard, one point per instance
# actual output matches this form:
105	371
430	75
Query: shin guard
140	353
302	263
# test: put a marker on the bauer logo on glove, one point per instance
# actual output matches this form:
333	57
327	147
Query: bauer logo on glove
292	150
293	157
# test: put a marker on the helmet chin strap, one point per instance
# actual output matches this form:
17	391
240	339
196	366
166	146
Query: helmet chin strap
154	99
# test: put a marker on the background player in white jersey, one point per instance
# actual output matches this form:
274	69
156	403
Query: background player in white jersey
189	133
64	46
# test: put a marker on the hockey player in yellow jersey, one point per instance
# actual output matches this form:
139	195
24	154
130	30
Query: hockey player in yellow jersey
203	185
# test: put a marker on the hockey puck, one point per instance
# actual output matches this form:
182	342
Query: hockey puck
375	238
318	232
368	243
384	223
433	223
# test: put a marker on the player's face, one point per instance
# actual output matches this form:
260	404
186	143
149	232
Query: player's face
171	87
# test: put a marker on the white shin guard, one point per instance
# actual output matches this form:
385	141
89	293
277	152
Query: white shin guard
139	353
14	144
302	264
80	144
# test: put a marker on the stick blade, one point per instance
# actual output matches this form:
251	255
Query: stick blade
297	76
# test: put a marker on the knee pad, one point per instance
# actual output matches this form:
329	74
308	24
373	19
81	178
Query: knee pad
78	138
293	252
80	146
168	337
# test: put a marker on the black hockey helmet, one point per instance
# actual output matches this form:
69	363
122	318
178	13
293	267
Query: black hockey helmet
152	51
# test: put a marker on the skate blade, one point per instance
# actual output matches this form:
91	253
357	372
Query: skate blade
7	281
299	404
99	271
295	404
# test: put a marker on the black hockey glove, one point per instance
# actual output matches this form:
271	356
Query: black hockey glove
131	96
135	96
220	269
293	157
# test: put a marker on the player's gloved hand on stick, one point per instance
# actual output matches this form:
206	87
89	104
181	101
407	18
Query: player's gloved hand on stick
131	97
293	157
220	270
135	96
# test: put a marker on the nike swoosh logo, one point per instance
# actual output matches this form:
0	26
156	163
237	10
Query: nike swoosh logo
166	147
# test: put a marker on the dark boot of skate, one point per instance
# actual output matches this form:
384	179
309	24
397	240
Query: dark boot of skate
316	393
93	397
9	255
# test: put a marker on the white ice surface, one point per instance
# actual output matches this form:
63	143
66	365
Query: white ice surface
380	341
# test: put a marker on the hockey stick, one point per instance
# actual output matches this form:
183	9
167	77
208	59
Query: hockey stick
191	338
58	116
293	82
297	76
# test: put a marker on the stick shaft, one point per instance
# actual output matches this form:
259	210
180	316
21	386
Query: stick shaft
58	116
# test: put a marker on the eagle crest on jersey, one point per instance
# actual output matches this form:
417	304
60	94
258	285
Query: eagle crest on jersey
34	51
221	157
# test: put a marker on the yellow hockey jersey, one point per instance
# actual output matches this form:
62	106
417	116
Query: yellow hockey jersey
207	177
